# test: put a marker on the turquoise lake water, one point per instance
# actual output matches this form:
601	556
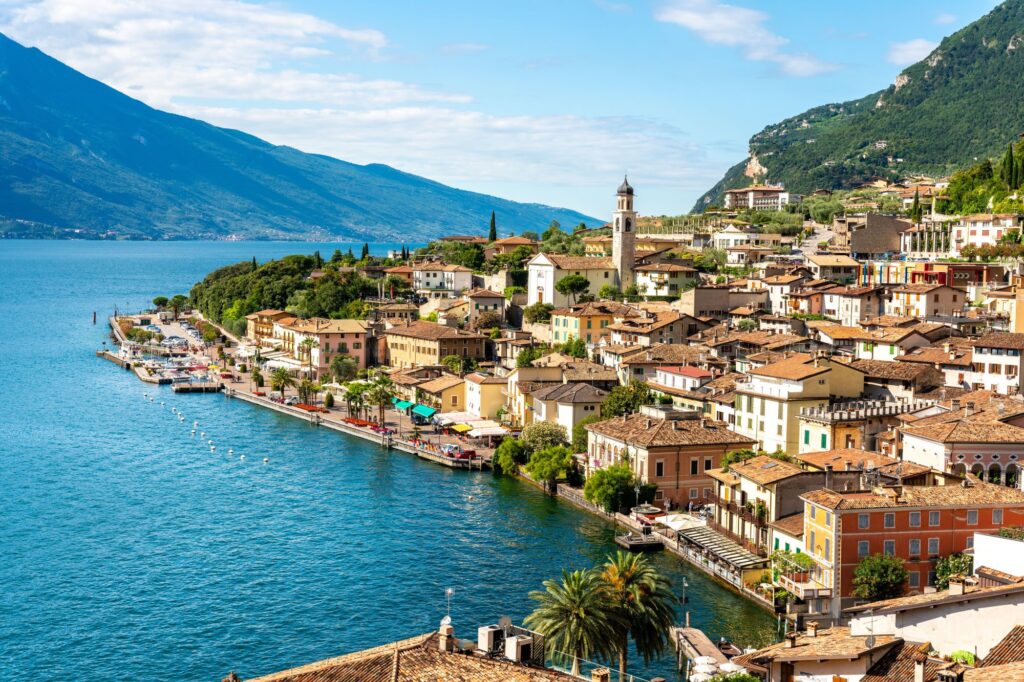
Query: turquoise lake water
129	551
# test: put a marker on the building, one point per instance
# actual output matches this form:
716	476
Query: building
545	270
624	236
485	395
842	269
441	280
671	449
982	229
679	379
769	402
316	341
926	300
508	245
664	279
853	424
260	325
427	343
996	362
483	301
897	381
851	305
779	288
446	393
867	236
566	404
760	198
587	321
651	327
402	272
395	313
888	343
918	523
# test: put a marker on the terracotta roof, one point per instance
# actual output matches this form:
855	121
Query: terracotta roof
571	393
592	308
965	430
581	262
478	378
884	369
584	371
936	355
845	459
1010	672
796	368
648	432
417	659
782	279
430	331
889	321
1001	340
1010	649
932	599
921	288
443	267
484	293
835	643
765	470
666	354
832	261
790	525
977	493
441	383
515	241
898	664
665	267
687	371
839	332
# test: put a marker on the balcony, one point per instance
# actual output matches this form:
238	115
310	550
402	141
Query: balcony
803	585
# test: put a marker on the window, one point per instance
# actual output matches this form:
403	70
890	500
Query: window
659	468
824	441
890	520
693	467
972	517
933	547
863	521
863	549
915	519
828	519
970	541
807	437
931	577
933	518
997	516
707	463
915	547
914	579
889	547
828	547
812	547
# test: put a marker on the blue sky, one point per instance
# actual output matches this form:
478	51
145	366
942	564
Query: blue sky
535	101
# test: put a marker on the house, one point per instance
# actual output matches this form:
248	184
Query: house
521	382
316	341
587	321
760	198
508	246
997	362
485	395
664	279
649	328
441	280
926	300
842	269
747	254
451	312
484	301
731	235
446	393
402	272
954	361
681	379
508	347
260	325
851	305
779	287
395	313
852	424
888	343
427	343
566	404
640	363
716	300
545	270
868	236
754	493
917	523
898	381
769	402
982	229
668	448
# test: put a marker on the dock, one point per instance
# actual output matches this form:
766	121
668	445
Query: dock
692	643
639	542
198	387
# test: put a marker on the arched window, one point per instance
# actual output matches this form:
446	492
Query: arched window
959	470
1012	475
629	224
978	469
995	473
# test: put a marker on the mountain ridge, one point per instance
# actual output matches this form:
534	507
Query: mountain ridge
79	159
936	117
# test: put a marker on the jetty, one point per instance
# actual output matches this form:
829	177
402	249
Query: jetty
691	643
197	387
639	542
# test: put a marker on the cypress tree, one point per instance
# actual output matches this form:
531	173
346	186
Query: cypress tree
915	208
366	250
1009	168
1018	173
254	266
492	235
350	255
317	259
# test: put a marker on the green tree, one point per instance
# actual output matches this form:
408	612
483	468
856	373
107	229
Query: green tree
572	286
344	368
509	454
611	488
160	302
281	379
355	397
528	355
915	207
541	435
492	233
879	576
307	345
747	325
610	291
307	391
538	313
380	393
178	303
329	400
575	347
365	252
575	615
623	400
457	364
489	319
949	566
643	600
549	465
580	433
256	376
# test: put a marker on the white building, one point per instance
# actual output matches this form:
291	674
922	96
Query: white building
851	305
441	280
982	229
997	362
760	198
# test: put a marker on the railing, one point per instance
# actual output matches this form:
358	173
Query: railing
803	585
745	543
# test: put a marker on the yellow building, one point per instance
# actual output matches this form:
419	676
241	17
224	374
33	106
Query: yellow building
587	321
485	394
768	404
260	325
447	393
427	343
522	382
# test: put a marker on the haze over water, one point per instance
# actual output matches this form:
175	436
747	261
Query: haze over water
132	551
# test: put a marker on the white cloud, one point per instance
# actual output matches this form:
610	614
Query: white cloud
944	18
743	28
910	51
291	79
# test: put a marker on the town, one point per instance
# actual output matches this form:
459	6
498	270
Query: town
829	422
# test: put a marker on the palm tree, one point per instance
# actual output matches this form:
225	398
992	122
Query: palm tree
576	617
255	377
380	393
281	379
307	345
355	396
643	598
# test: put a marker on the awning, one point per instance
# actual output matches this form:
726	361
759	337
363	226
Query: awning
487	431
723	548
424	411
402	404
462	428
446	418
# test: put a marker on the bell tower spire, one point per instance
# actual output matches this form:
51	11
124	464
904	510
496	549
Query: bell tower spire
624	235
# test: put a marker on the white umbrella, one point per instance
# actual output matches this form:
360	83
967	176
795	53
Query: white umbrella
731	667
705	668
700	677
704	660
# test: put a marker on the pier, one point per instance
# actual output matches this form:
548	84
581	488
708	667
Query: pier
198	387
639	542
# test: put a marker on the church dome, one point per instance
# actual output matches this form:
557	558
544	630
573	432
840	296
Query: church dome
625	187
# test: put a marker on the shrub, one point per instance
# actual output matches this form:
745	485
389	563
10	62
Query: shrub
549	465
329	400
948	566
509	454
541	435
879	576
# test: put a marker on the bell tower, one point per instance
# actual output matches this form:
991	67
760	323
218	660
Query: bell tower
624	235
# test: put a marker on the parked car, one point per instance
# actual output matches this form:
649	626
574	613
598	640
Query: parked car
292	400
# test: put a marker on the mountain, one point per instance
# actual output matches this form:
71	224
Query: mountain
80	159
959	103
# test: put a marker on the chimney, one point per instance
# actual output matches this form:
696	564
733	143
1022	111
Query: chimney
919	659
949	675
446	639
812	628
947	347
601	675
649	423
956	585
828	484
955	404
790	640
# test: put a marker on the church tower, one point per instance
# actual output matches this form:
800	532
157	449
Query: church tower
624	235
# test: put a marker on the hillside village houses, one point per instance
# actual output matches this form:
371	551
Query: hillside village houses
841	401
